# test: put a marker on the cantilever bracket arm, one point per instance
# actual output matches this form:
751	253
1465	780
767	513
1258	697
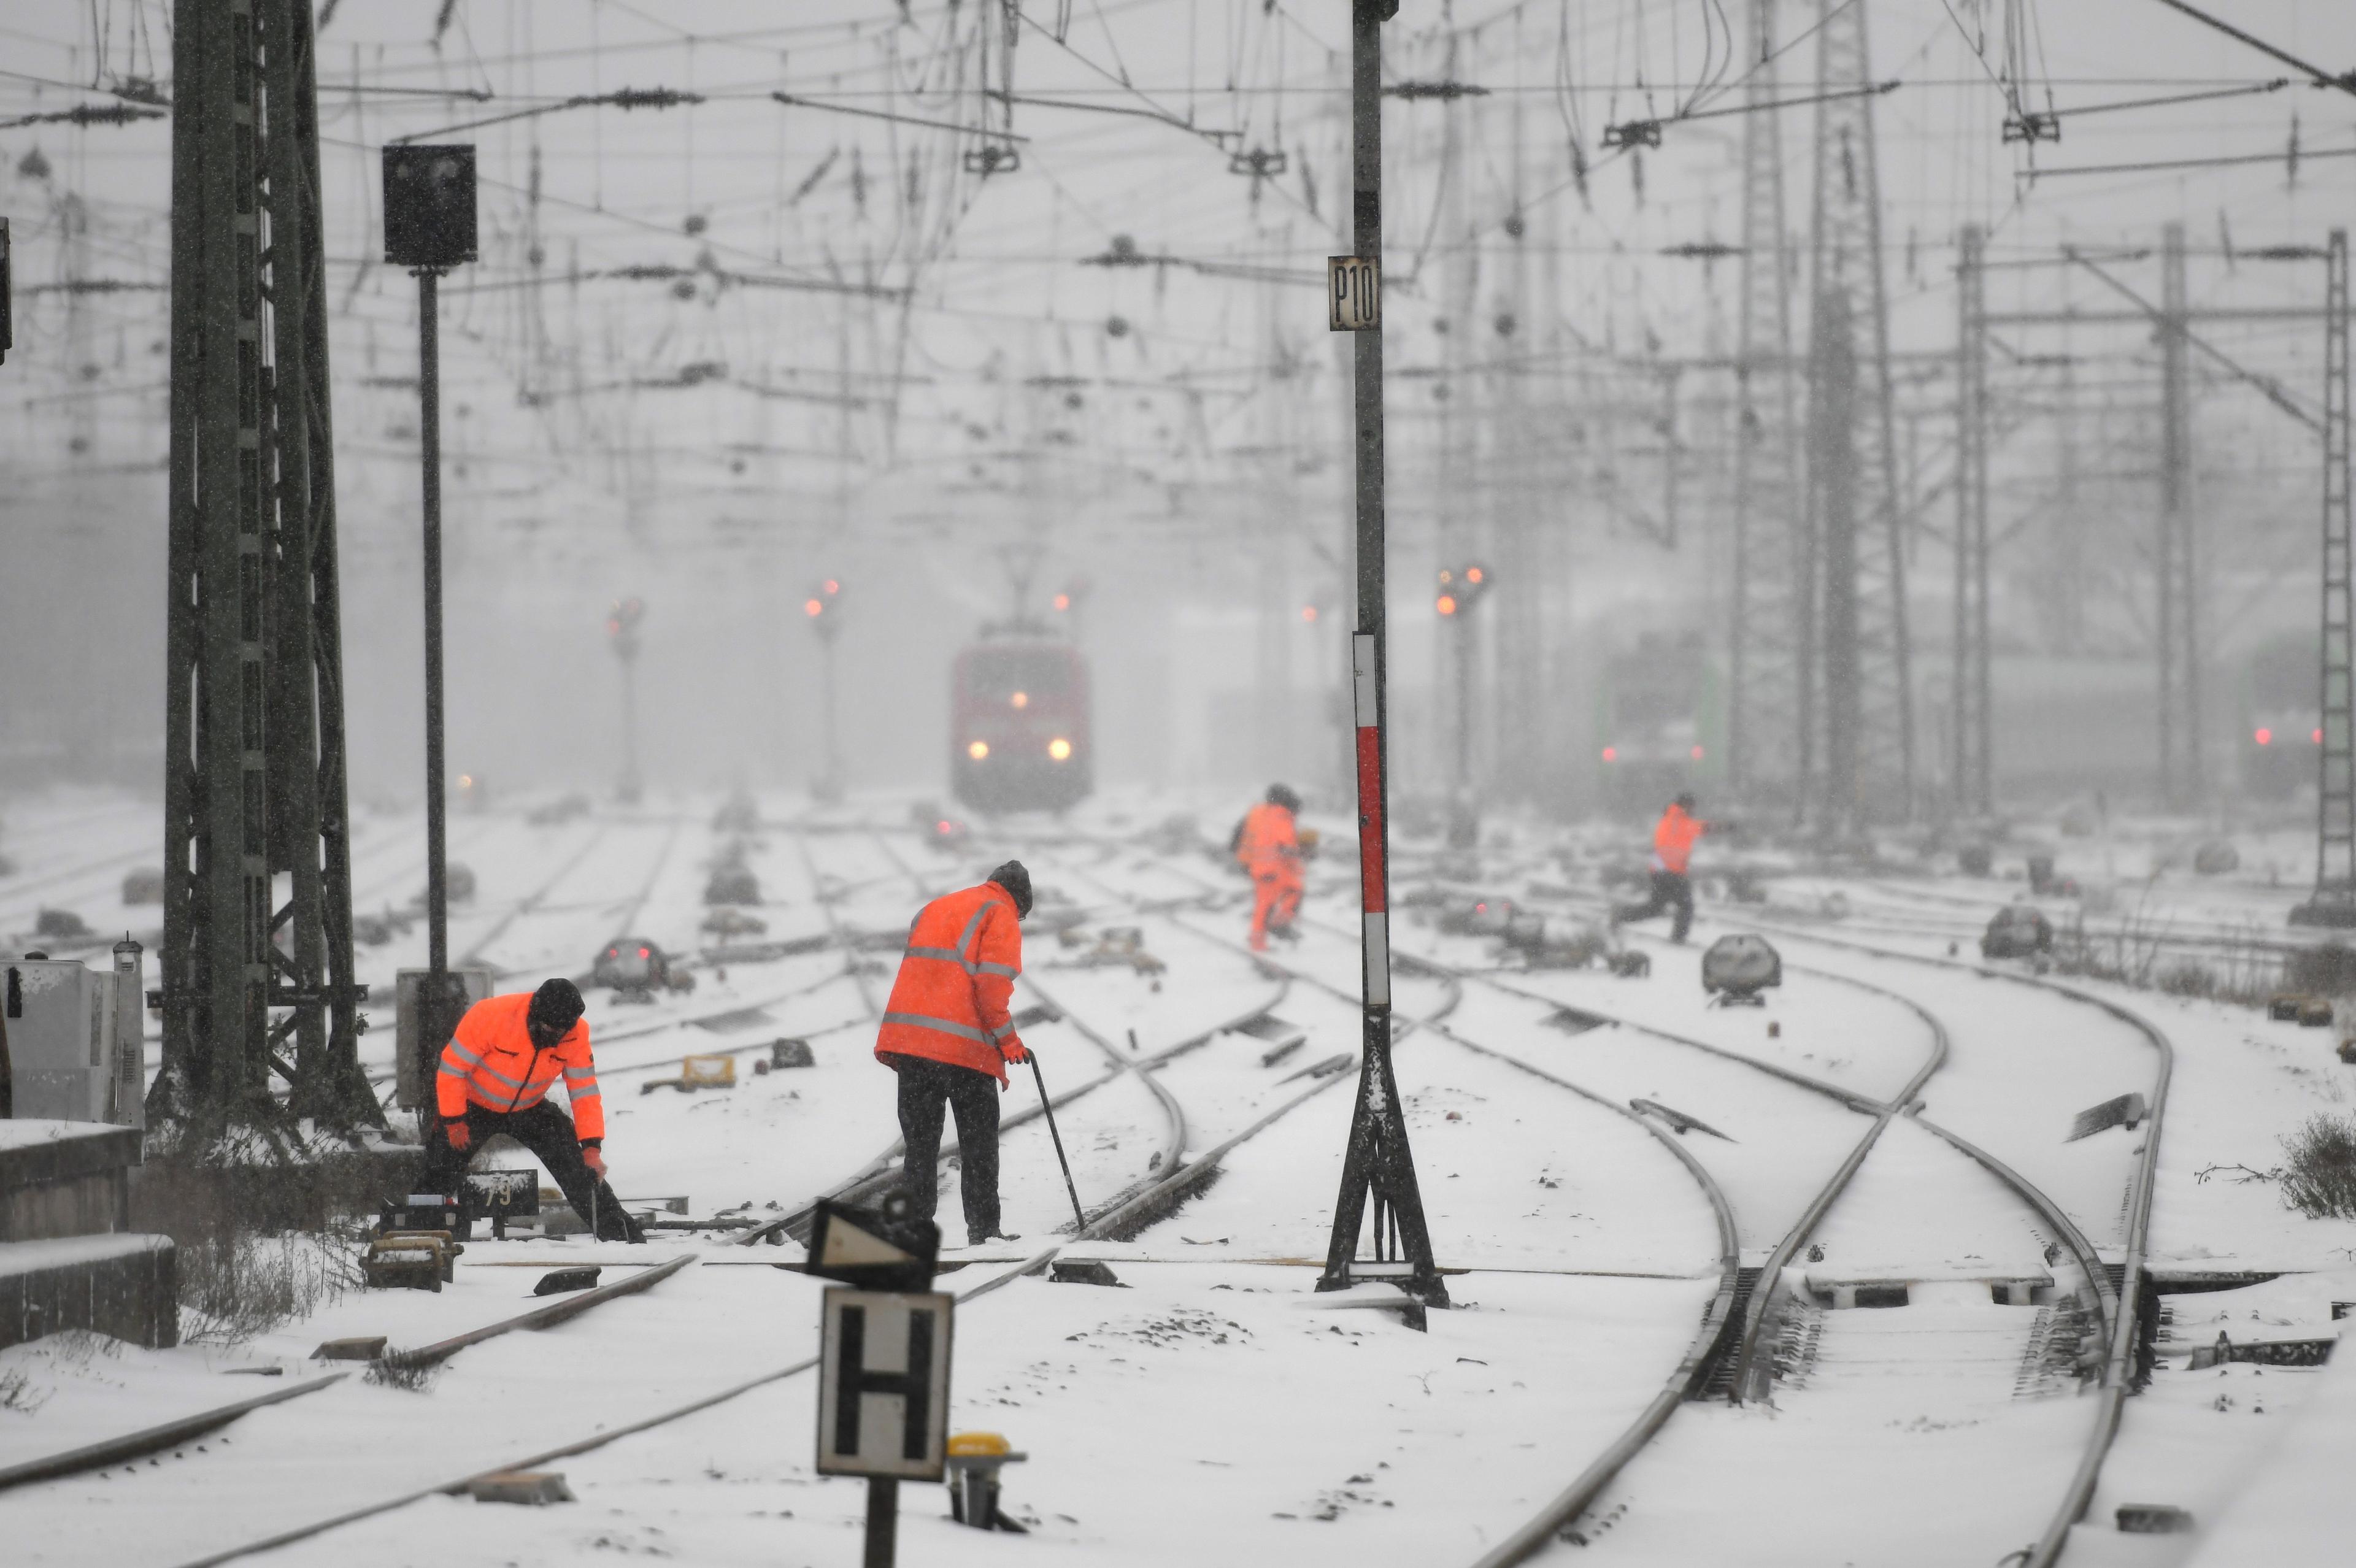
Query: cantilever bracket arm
2266	385
2345	80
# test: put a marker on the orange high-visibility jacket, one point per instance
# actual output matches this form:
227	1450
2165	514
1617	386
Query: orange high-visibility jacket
1673	840
492	1062
949	1002
1268	844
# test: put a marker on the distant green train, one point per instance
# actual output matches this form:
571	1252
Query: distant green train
2282	718
1660	722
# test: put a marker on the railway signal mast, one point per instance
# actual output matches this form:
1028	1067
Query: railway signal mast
1377	1163
1461	588
622	630
429	228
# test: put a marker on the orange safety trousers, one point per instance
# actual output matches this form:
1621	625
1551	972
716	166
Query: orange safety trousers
1276	900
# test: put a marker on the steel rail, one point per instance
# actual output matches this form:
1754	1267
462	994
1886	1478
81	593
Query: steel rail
148	1440
2119	1355
1906	1103
1693	1364
532	900
1119	1210
561	1310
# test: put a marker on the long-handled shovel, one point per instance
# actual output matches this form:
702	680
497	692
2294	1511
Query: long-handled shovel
1079	1220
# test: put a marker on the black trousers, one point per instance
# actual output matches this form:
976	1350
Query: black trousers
548	1133
1671	891
928	1088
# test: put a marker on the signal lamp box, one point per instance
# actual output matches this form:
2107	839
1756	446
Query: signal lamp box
76	1038
419	1059
429	206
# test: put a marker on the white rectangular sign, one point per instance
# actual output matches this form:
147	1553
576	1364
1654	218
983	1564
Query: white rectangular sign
884	1384
1354	293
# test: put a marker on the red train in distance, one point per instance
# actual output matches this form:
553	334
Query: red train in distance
1019	727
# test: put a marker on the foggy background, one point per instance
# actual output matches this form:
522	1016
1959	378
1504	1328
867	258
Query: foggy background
734	348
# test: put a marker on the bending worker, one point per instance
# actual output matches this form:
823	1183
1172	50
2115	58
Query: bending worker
495	1074
1267	847
946	1032
1673	841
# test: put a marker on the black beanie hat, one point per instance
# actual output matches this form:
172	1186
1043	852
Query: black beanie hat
1016	881
1283	795
557	1006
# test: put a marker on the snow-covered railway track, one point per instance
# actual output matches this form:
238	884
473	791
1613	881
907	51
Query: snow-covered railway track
1712	1340
1742	1357
2126	1278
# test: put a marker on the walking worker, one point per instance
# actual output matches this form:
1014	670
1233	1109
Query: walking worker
1673	842
1267	847
947	1034
497	1071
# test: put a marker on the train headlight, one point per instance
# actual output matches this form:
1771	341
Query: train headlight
1060	749
978	750
1021	699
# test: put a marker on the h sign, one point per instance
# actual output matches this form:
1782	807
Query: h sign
1354	293
884	1384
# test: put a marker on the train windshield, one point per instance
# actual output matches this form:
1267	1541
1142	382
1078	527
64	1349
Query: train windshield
995	675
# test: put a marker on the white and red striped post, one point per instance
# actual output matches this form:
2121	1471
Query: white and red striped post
1376	1161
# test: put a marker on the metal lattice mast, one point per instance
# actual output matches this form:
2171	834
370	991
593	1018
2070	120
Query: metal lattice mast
1972	781
2335	830
2180	767
1866	717
1770	677
254	774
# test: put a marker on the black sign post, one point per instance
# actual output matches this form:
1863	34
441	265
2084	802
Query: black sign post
884	1364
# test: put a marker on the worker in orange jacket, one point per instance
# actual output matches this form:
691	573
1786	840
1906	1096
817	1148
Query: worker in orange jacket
947	1034
1267	847
497	1071
1674	837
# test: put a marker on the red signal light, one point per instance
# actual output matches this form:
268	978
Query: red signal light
1063	601
1610	754
1697	753
1447	605
1475	575
2265	737
832	586
813	607
644	954
1309	612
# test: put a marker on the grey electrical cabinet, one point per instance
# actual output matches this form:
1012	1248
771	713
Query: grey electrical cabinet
414	1080
76	1038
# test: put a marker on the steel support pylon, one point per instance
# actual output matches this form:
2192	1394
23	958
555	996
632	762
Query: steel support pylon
1971	786
254	772
1377	1163
2180	759
2334	902
1860	742
1771	678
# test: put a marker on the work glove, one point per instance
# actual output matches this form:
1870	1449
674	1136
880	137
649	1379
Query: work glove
1015	1053
593	1156
458	1134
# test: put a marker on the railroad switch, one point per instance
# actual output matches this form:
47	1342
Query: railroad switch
974	1461
1083	1273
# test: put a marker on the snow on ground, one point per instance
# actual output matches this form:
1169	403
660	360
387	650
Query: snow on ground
1211	1408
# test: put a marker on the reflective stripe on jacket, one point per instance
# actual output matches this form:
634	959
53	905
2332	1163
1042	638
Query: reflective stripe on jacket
1268	844
956	978
492	1062
1673	840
